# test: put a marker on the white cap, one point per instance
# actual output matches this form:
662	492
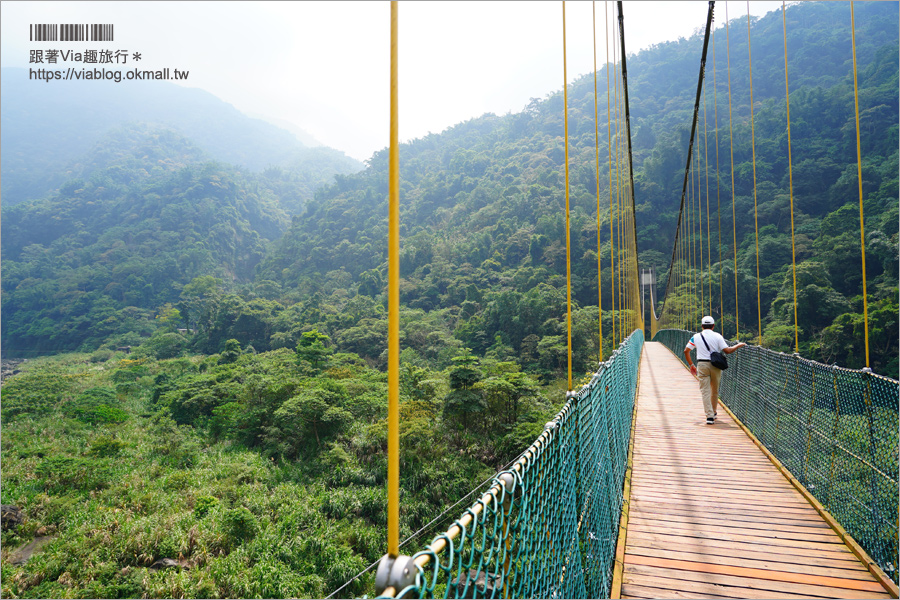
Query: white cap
707	320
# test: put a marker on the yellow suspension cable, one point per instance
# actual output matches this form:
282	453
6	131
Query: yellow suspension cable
695	267
759	339
626	254
699	213
612	257
692	235
706	176
597	149
787	103
718	186
688	231
618	273
685	267
623	241
862	225
733	218
681	272
620	201
568	245
393	481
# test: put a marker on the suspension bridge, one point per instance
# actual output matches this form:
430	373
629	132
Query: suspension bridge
628	493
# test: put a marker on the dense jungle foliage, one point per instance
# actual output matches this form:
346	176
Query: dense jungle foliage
221	399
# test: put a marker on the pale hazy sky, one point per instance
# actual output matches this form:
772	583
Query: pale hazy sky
323	66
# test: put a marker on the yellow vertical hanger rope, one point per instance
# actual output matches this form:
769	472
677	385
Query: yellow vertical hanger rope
568	246
618	272
787	103
597	149
862	225
620	198
682	251
718	186
755	212
695	183
393	482
699	212
733	218
689	231
609	144
687	281
623	243
623	300
706	176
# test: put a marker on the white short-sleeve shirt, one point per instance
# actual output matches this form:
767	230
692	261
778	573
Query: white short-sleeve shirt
716	343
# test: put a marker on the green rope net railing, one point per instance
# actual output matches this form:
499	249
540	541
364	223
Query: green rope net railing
547	527
834	429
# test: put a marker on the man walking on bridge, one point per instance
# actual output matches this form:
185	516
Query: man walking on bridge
706	342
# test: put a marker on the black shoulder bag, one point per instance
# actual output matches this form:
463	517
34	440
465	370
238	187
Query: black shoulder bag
716	359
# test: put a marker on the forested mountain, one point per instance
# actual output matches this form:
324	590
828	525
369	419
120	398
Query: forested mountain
482	203
50	132
242	434
483	221
93	262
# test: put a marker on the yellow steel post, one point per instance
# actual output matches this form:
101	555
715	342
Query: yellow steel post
718	191
568	248
706	177
862	227
733	218
787	104
612	257
759	339
597	151
393	481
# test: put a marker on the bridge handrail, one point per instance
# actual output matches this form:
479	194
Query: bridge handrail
833	428
547	527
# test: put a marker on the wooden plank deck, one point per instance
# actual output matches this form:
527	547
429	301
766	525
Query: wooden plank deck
710	516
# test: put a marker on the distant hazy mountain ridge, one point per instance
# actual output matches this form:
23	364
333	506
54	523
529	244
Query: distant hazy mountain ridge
45	128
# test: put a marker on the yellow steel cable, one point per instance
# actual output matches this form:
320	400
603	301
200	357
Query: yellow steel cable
755	212
626	261
706	176
787	103
612	258
568	246
699	213
393	481
619	191
623	215
681	277
718	185
623	252
689	230
597	149
733	218
693	235
682	265
618	272
862	226
698	243
682	252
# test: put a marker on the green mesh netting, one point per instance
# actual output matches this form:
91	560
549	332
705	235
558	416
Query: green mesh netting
834	429
551	531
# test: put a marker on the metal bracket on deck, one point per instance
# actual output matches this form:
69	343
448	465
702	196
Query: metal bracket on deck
398	572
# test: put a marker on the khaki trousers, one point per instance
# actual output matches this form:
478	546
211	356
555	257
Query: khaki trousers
709	377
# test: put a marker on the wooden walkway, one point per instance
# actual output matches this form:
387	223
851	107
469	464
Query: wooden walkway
710	516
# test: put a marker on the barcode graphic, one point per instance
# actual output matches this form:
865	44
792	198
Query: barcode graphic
71	32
